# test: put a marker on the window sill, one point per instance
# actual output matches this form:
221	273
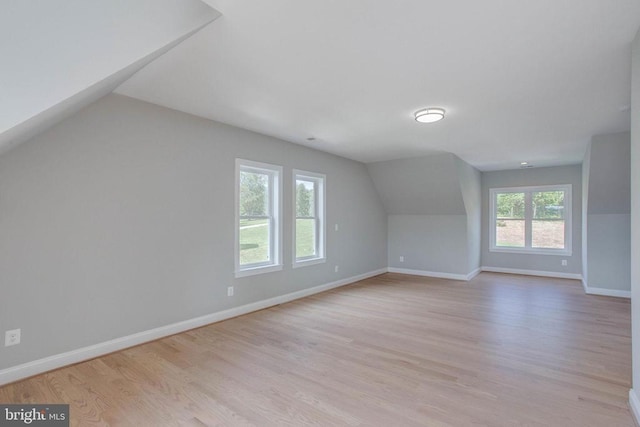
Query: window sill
526	251
258	270
306	262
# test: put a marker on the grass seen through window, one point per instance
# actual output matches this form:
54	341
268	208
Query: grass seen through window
254	240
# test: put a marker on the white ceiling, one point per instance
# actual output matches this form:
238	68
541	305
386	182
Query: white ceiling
520	80
59	56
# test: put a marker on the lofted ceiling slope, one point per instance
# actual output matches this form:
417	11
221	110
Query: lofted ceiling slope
60	56
428	185
521	81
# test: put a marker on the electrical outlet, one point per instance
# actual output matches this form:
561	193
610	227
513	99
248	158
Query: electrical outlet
564	262
12	337
336	268
230	291
401	258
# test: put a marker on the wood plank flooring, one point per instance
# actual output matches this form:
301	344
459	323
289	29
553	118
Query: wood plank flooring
393	350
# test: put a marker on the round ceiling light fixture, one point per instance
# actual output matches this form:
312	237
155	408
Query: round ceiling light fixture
429	115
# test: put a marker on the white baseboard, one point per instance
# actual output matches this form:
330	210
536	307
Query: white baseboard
437	274
634	404
604	291
609	292
39	366
533	273
473	274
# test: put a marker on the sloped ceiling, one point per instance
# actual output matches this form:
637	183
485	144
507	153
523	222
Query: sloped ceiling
520	80
58	56
427	185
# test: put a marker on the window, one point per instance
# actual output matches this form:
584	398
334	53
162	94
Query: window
309	213
258	222
531	219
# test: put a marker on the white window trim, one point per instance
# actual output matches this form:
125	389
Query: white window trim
568	241
321	185
276	204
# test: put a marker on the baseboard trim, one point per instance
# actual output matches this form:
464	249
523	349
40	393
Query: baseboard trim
607	292
436	274
604	291
474	273
25	370
557	275
634	404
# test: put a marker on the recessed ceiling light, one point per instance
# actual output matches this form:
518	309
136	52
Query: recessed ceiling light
524	163
429	115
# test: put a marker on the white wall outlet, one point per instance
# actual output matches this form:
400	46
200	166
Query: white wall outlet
12	337
564	262
336	268
336	227
401	258
230	291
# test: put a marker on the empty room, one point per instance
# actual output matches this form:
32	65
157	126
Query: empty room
336	213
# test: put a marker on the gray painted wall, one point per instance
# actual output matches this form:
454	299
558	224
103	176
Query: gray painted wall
471	186
608	252
431	243
419	186
610	174
635	210
121	219
434	211
586	162
527	177
606	178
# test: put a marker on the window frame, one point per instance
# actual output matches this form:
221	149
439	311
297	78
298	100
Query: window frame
319	208
528	219
274	173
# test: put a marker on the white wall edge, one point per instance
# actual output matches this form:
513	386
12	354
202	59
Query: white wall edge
439	275
39	366
634	404
557	275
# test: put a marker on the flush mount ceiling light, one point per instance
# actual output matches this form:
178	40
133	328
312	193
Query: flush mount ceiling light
430	115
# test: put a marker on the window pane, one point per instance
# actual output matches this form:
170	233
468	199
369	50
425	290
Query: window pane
254	194
510	233
548	226
510	220
547	234
548	205
510	205
254	241
305	238
305	198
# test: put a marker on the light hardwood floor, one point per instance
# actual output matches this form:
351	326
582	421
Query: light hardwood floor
393	350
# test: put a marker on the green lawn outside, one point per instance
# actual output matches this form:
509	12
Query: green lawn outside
305	243
254	240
